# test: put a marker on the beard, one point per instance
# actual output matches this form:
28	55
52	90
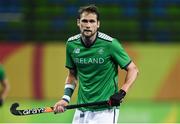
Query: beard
88	33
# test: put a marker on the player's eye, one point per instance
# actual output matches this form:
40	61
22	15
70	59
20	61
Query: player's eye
92	21
84	21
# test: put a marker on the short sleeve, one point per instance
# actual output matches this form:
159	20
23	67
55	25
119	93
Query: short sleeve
69	61
119	55
2	73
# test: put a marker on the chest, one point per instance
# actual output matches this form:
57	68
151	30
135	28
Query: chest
96	55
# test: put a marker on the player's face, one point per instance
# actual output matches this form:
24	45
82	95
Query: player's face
88	24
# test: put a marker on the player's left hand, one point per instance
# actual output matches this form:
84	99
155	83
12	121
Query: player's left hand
116	98
1	102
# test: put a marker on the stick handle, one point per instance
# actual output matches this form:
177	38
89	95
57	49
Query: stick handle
87	105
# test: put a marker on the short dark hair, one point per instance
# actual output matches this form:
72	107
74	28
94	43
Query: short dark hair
90	9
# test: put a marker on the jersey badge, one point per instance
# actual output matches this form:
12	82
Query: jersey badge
101	51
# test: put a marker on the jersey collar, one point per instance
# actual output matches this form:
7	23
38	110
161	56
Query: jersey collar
91	44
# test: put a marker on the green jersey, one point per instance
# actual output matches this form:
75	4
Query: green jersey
2	74
97	67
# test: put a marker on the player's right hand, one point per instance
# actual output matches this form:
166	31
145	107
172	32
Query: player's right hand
1	102
59	106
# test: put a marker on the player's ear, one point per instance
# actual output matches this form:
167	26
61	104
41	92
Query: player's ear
98	24
78	22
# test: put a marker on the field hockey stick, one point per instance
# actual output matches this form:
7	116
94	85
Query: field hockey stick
15	111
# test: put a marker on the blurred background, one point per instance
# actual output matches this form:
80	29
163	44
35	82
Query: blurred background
33	34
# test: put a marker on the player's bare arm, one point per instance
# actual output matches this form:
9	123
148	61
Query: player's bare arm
132	72
71	82
5	89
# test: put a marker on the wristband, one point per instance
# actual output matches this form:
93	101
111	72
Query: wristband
68	91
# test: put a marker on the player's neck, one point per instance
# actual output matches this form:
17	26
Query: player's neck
89	40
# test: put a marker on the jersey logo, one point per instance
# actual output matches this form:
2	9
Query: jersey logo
76	50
